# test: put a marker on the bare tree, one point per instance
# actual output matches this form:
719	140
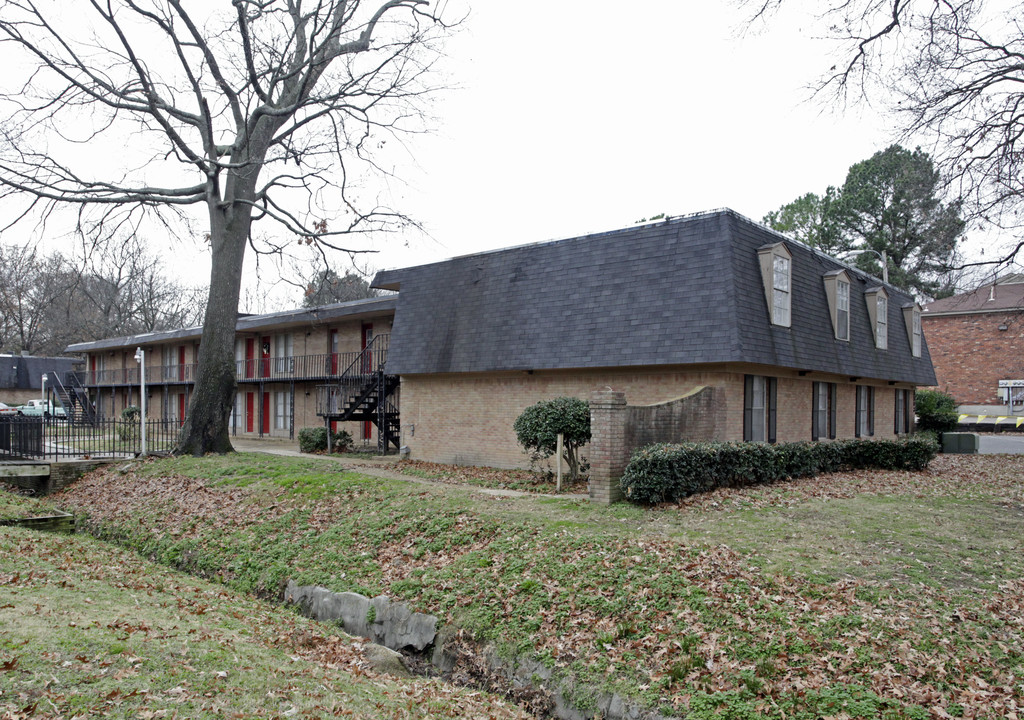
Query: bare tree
953	72
48	302
30	287
257	112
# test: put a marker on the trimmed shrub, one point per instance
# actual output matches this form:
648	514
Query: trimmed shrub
667	472
129	429
936	411
538	426
314	440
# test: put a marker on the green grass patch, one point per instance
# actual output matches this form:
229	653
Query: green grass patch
799	600
91	631
15	505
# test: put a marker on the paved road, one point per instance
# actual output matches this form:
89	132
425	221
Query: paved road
992	444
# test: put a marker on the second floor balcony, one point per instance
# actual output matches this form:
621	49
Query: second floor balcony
325	366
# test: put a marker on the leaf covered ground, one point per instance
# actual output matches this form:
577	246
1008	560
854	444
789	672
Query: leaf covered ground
91	631
853	595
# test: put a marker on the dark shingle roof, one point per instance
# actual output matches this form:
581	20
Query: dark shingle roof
25	372
245	323
678	292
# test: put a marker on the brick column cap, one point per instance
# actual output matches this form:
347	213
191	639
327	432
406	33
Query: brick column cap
607	397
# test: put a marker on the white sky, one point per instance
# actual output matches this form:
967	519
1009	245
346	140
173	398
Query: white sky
579	116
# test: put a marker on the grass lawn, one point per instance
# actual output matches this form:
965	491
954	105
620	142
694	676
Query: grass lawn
15	505
87	630
855	595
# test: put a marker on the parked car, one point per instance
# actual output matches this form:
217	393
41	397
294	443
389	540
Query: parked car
40	408
6	409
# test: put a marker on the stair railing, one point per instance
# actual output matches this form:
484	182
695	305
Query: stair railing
76	401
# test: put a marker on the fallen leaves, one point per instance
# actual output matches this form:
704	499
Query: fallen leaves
642	609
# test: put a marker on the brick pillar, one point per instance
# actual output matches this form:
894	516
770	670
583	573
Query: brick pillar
607	451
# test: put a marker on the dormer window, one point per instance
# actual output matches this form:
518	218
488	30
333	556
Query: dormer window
776	273
878	311
837	292
912	320
843	310
882	324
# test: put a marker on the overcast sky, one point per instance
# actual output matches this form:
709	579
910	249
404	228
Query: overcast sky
581	116
576	116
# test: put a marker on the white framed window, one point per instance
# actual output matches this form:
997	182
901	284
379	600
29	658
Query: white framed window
915	345
865	424
781	300
882	323
282	410
842	310
823	413
759	408
283	363
777	276
902	412
877	301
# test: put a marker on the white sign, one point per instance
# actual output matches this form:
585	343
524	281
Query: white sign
1011	383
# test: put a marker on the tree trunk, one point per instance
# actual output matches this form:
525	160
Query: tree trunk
206	422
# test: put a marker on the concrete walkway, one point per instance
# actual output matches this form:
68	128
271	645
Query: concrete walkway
377	467
997	444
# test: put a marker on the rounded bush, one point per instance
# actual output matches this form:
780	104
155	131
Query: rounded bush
936	411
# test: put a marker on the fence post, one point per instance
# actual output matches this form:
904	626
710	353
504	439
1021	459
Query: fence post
607	445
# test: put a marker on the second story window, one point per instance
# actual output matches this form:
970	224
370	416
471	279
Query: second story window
777	276
780	288
912	324
843	310
882	321
916	331
283	353
877	301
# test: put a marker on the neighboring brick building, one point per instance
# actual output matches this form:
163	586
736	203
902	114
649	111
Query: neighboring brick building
977	339
793	344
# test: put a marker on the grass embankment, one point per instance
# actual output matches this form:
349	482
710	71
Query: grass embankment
88	631
870	594
17	506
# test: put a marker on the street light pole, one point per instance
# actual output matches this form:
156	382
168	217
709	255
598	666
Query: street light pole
140	358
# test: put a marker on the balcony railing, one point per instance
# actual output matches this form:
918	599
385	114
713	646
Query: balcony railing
326	366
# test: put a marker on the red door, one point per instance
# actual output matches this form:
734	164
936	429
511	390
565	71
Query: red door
181	363
266	413
249	402
250	358
92	369
181	409
265	357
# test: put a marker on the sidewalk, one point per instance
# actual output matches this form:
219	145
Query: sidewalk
375	467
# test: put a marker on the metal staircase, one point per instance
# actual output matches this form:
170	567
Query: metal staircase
365	393
75	399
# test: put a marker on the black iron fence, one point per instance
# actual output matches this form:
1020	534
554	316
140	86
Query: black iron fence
54	439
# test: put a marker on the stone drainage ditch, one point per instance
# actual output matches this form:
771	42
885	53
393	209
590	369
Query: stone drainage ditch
430	651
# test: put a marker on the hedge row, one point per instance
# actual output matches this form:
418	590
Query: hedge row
666	472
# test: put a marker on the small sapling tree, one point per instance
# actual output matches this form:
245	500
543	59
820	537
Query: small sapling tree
538	427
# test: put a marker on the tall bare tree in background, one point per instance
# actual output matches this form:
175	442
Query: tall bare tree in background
257	111
49	301
952	72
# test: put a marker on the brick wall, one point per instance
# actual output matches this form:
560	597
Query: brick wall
696	416
467	419
971	354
